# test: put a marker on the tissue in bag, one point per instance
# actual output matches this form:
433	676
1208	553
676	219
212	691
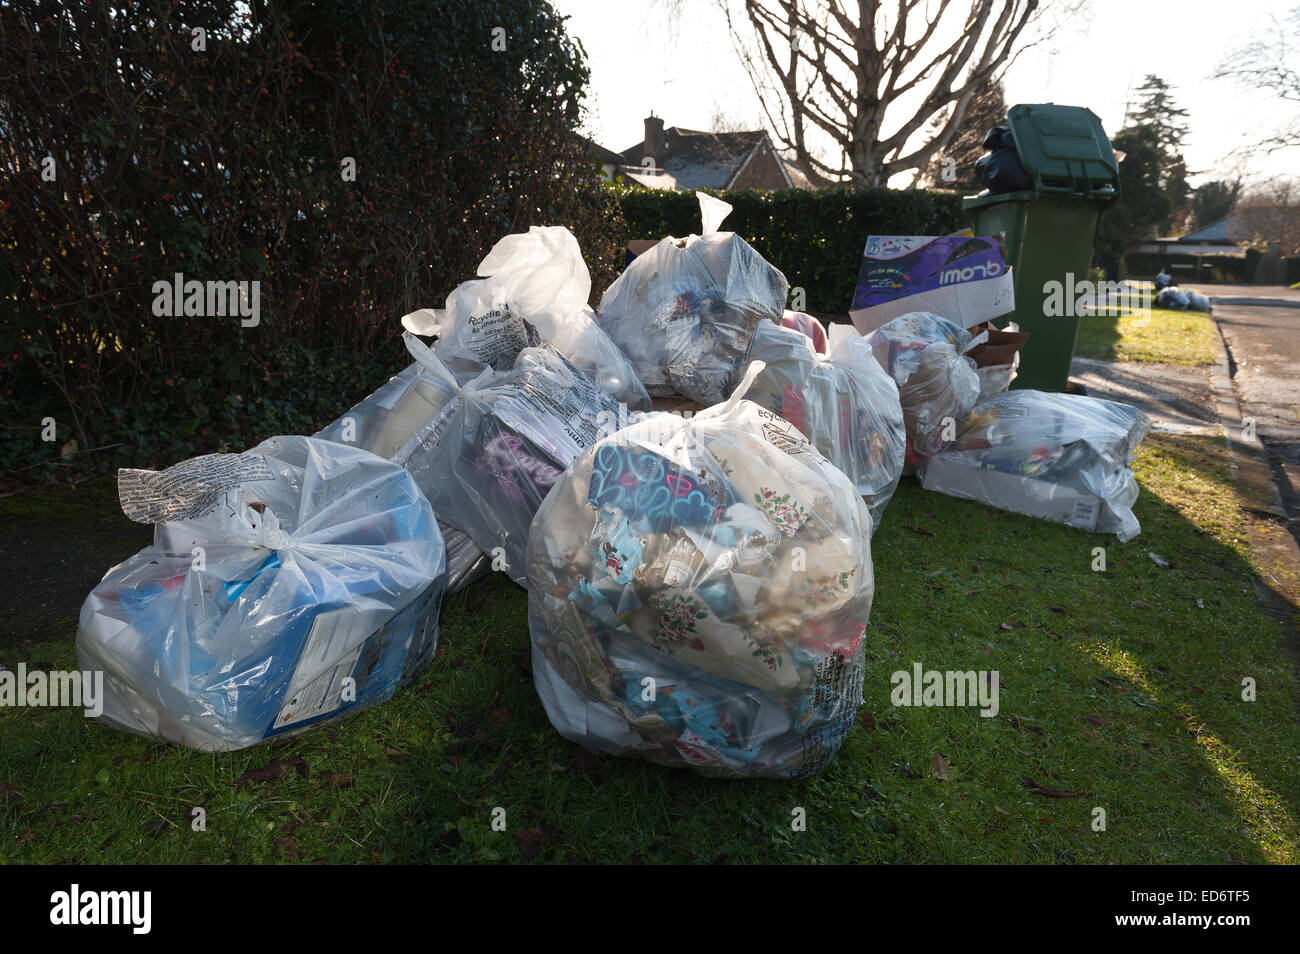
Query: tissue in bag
287	586
720	560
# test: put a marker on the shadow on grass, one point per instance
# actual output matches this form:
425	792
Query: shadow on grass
1123	687
1121	691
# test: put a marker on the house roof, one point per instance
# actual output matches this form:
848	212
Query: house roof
703	160
1243	225
600	152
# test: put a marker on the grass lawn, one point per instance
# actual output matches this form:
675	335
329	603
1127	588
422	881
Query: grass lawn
1122	690
1168	337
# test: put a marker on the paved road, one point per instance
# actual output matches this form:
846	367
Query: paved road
1261	325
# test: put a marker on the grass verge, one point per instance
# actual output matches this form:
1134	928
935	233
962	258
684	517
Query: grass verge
1167	337
1122	691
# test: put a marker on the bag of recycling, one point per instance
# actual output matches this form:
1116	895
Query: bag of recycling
845	404
1060	457
533	291
399	422
290	585
937	381
1197	301
510	437
1173	298
698	592
684	311
810	326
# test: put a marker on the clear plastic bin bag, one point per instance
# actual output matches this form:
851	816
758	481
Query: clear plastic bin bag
533	292
684	311
699	591
509	438
1060	457
845	404
288	586
937	383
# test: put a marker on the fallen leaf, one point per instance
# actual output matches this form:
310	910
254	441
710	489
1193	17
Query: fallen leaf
288	848
25	837
940	768
334	780
273	770
867	719
1098	721
500	718
8	791
1000	810
1057	609
531	841
1139	604
922	531
1007	626
1038	789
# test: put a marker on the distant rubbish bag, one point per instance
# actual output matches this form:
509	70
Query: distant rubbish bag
1060	457
698	592
1197	302
1173	298
684	311
845	404
290	585
533	292
511	436
937	382
400	422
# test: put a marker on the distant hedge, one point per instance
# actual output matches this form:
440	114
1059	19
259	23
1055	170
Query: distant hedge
815	237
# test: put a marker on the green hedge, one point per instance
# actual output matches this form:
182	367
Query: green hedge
815	238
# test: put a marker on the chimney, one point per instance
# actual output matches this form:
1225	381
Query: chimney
656	143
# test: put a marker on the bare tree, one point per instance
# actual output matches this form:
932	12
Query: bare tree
833	70
1271	65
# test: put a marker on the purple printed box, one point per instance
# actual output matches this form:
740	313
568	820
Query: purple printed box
963	278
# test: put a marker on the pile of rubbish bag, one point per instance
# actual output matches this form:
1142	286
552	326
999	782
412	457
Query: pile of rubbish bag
686	481
1177	299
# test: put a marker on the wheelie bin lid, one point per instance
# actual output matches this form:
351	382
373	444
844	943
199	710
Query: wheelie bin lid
1064	150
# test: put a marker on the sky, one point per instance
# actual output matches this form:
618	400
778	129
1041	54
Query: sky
686	70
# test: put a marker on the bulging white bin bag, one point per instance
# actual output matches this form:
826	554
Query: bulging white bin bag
293	584
698	595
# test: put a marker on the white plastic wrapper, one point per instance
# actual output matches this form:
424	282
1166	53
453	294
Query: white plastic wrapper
937	382
510	437
288	586
845	404
698	592
533	291
684	311
397	422
1061	457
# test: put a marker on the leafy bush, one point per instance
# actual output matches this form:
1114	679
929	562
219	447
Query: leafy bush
815	237
222	156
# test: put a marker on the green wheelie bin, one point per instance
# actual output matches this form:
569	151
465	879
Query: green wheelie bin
1050	229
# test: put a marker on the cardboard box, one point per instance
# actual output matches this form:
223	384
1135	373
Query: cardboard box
963	278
